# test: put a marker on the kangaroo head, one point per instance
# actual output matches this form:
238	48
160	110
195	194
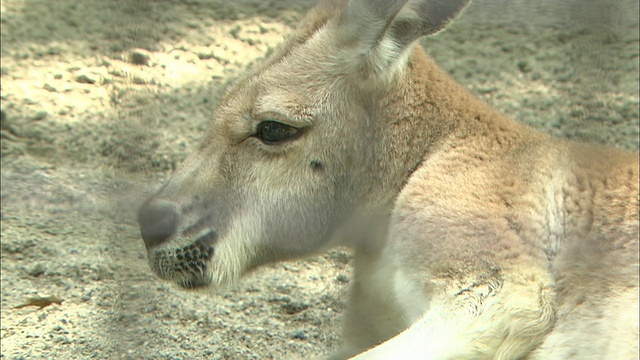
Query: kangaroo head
322	133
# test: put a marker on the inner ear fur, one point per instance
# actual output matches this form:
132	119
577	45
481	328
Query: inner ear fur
434	15
385	29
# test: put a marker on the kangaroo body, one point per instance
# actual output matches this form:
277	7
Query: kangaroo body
474	236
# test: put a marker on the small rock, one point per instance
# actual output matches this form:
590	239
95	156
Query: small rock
342	278
300	335
86	79
40	115
50	88
185	56
203	52
295	307
141	79
139	57
36	270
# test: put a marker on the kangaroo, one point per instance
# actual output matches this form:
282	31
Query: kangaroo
474	236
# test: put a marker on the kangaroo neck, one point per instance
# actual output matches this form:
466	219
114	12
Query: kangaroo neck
423	108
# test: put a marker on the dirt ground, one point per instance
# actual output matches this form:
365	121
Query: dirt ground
102	99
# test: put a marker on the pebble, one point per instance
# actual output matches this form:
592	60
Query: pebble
49	87
36	270
86	79
185	56
139	57
300	335
203	52
40	115
295	307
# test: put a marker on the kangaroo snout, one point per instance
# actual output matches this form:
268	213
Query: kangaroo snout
177	249
158	221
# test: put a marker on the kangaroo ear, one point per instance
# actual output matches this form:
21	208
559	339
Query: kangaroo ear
385	30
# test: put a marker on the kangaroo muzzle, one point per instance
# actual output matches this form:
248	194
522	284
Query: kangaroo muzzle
158	222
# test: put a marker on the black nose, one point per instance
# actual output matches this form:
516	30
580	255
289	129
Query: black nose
158	221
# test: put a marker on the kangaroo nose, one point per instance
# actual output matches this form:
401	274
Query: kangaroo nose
158	221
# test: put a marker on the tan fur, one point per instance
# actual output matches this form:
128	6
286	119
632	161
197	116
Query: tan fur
475	236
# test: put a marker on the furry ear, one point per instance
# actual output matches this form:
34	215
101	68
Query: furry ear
385	30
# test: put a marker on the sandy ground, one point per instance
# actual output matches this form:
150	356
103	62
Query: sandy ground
102	99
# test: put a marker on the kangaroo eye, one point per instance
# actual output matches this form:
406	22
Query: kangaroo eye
273	132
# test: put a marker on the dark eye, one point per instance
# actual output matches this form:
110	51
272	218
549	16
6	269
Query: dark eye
273	132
